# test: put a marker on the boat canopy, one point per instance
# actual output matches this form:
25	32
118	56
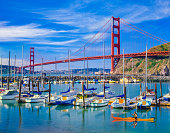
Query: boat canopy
144	97
99	95
65	91
39	93
90	89
121	95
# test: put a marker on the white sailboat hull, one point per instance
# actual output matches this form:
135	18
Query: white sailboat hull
8	97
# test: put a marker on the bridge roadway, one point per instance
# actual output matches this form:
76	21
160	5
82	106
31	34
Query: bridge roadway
143	54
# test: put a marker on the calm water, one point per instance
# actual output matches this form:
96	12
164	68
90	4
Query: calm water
39	117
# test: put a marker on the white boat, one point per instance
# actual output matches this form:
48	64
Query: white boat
8	94
99	103
53	99
65	100
145	104
120	102
167	97
108	94
150	96
87	101
35	99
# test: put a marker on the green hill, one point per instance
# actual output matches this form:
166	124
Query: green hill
155	64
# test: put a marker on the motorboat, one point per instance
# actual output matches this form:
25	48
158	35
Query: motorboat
120	102
35	99
99	103
8	94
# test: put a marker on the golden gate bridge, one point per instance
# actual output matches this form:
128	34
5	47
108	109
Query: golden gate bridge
105	44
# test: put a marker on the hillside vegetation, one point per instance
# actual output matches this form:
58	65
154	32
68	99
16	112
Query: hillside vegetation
155	64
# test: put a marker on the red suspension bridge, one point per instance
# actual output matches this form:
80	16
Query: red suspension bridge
109	39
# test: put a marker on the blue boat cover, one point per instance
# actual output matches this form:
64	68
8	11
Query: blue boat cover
121	95
107	87
99	95
39	93
65	91
90	89
144	97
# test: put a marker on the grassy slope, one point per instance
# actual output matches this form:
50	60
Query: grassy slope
154	65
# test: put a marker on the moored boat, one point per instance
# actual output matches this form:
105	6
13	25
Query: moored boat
166	97
35	99
8	94
99	103
120	102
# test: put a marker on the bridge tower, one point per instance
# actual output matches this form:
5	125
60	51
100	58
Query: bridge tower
31	60
115	42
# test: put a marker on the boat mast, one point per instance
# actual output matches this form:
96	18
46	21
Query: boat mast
14	67
104	78
42	72
9	72
56	69
69	65
87	73
123	70
9	64
1	72
104	60
146	72
22	59
84	63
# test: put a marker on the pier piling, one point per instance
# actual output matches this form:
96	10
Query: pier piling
32	85
2	83
140	89
125	94
73	83
29	85
20	85
49	96
161	88
83	93
104	90
156	93
38	87
8	83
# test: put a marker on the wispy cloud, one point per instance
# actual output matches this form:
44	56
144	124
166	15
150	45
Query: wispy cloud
60	43
23	32
84	21
140	13
28	32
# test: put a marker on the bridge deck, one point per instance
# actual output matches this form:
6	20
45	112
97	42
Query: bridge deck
158	53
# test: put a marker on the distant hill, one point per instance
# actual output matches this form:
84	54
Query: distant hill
155	64
5	69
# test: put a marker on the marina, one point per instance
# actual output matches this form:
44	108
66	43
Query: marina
84	66
45	118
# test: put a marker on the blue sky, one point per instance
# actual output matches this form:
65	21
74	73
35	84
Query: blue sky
53	26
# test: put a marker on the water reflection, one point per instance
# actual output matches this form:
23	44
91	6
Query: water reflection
144	114
40	117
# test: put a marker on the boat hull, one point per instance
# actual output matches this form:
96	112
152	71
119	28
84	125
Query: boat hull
98	104
8	97
64	102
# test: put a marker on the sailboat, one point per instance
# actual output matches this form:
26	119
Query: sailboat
145	101
120	100
167	96
8	94
67	97
101	98
35	99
